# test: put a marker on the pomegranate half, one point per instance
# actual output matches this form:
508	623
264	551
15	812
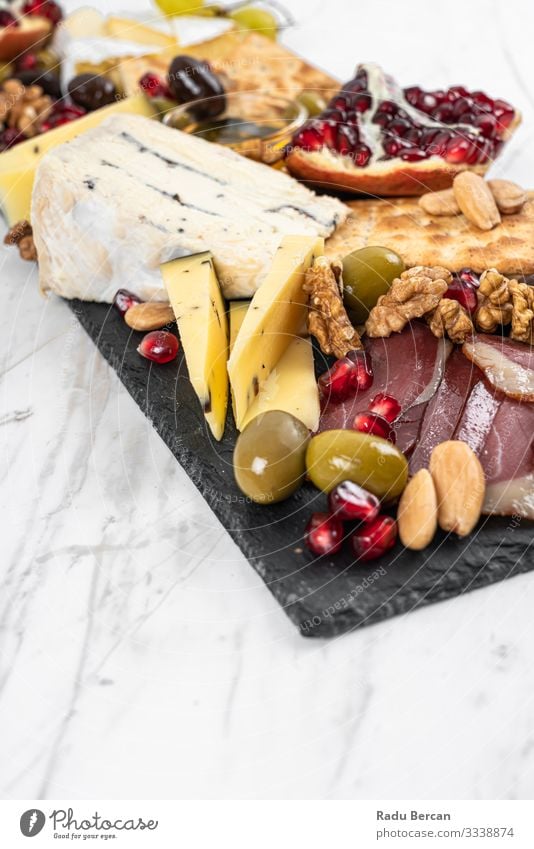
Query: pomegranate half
376	138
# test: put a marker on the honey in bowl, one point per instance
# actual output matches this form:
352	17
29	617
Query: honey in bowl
253	124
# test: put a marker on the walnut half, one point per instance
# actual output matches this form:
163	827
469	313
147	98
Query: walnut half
494	301
452	320
522	295
415	293
21	235
327	318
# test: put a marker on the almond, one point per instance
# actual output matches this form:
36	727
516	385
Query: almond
440	203
509	197
149	315
475	200
417	515
460	486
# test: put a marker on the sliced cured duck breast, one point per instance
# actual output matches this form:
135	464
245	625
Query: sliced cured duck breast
444	411
409	366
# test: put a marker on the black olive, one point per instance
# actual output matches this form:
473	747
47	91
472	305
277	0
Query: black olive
48	80
92	91
192	81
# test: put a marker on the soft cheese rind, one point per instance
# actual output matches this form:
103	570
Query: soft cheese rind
113	204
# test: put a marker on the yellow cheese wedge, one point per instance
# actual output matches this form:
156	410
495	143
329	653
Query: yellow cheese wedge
236	314
275	316
291	387
17	166
198	305
130	30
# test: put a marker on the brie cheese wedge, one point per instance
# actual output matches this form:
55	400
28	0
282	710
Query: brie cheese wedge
112	205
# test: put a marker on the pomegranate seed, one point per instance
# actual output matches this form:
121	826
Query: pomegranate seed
363	373
309	138
426	102
10	137
381	118
486	123
386	406
337	115
463	104
347	139
154	86
388	106
464	293
415	155
160	346
375	425
414	135
62	113
438	145
7	19
124	299
399	126
458	150
413	94
27	62
362	155
347	376
353	503
394	146
324	534
456	91
44	9
374	539
363	102
482	99
443	113
359	83
440	95
505	118
469	276
343	102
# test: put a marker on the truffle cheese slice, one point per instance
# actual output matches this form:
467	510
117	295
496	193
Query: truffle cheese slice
199	308
275	317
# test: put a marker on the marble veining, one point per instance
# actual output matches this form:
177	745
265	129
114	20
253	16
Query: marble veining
140	655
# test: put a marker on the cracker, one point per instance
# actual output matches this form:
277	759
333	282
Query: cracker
450	241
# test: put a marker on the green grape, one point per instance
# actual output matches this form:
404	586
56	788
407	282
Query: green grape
251	17
180	7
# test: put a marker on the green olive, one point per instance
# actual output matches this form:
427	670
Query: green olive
270	457
313	102
375	464
367	274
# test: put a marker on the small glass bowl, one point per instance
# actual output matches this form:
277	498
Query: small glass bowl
254	124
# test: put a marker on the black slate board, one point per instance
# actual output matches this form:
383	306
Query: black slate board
322	597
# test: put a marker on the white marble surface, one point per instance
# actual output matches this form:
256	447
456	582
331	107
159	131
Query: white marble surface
140	655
